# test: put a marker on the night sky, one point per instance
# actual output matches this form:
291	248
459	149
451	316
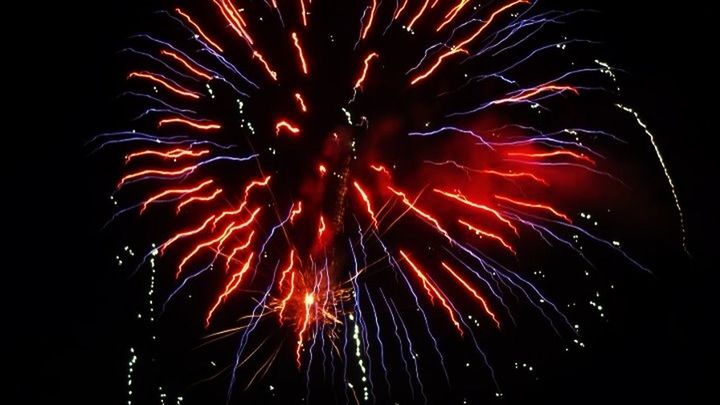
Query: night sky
71	310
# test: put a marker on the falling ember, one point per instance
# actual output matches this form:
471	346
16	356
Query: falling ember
325	202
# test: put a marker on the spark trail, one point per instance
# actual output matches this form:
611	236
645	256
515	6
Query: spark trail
305	173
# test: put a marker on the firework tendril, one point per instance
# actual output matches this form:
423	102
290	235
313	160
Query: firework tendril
337	170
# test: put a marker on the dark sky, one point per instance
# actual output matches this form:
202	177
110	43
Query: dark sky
68	310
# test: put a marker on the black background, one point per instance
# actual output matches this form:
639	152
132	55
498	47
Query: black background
67	315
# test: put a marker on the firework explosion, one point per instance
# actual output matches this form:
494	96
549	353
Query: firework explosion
337	169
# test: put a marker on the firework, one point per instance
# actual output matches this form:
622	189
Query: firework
337	169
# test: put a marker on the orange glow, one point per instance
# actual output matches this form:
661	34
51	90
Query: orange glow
195	124
193	199
473	292
301	54
432	290
480	232
363	75
195	69
371	17
262	60
172	154
295	211
322	169
461	198
231	286
321	228
380	169
575	155
199	31
365	198
301	102
460	45
423	214
280	125
173	191
535	205
159	80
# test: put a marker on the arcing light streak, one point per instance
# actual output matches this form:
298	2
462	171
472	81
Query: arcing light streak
255	183
308	301
171	154
366	65
193	199
156	172
301	53
461	198
265	64
365	198
516	174
188	65
283	303
199	30
400	10
530	93
191	123
231	286
185	234
422	213
491	235
239	248
303	13
665	169
473	292
236	20
295	211
450	16
418	15
535	205
229	230
458	47
353	169
371	18
432	290
572	154
165	83
301	102
182	191
288	269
